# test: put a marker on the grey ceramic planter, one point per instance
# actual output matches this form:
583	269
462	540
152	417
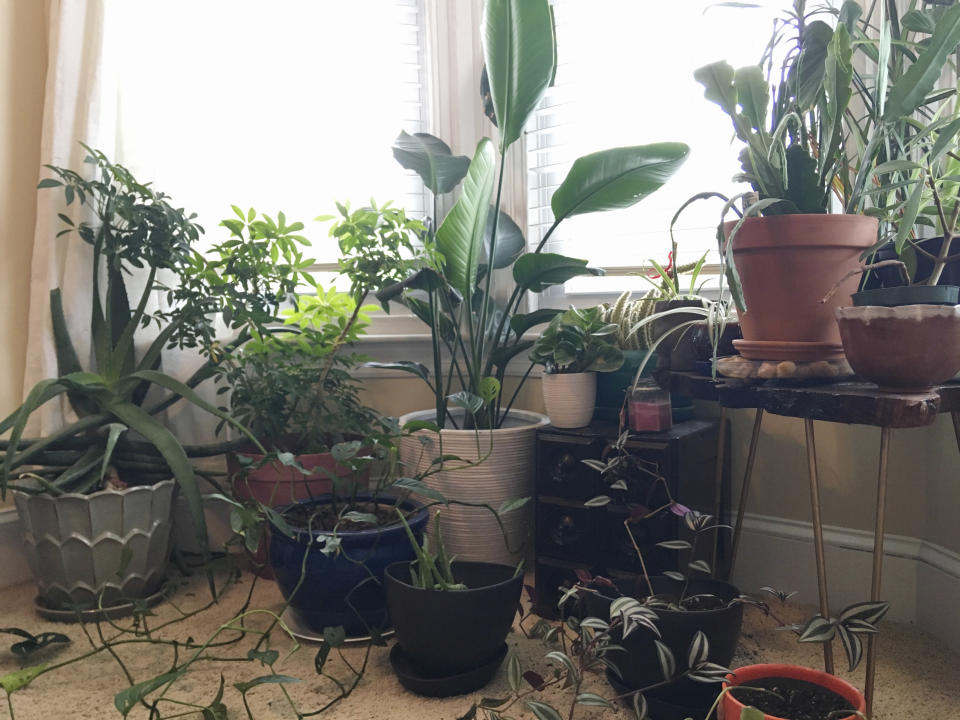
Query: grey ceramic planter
76	544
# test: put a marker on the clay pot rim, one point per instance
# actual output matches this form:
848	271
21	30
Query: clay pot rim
775	224
869	313
834	683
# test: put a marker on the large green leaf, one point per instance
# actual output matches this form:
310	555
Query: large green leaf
837	79
460	236
538	271
912	87
807	71
431	158
753	95
520	52
521	323
616	178
67	360
140	421
510	242
191	396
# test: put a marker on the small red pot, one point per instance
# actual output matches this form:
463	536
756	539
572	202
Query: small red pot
277	484
730	708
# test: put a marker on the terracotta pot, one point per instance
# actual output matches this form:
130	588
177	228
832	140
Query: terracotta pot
787	264
902	349
730	708
277	484
569	398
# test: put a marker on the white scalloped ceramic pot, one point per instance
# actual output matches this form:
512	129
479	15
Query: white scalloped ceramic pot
570	398
77	544
903	349
470	533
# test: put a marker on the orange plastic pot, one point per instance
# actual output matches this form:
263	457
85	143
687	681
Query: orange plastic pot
276	484
787	264
730	708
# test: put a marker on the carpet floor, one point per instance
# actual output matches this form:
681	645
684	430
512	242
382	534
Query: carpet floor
918	676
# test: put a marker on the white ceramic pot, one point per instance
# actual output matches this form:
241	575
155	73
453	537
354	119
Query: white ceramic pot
570	398
472	534
76	544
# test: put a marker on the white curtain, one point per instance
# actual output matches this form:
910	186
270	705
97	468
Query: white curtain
78	106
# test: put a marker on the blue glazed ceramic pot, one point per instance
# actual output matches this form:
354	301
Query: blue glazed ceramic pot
346	588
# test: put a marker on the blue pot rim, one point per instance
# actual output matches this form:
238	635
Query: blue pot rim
420	514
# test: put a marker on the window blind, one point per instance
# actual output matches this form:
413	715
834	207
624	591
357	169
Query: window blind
625	77
288	105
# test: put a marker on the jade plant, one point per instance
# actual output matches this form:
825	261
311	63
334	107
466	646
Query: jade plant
578	341
477	271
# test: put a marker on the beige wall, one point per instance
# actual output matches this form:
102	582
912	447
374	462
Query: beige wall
23	57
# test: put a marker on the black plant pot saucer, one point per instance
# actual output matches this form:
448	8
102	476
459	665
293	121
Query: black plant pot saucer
663	708
459	684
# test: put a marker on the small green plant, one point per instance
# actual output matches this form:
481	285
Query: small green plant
578	341
431	570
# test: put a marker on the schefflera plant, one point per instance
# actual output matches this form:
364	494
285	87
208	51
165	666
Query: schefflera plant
456	293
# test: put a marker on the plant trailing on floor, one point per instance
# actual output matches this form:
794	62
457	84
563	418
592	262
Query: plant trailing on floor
455	291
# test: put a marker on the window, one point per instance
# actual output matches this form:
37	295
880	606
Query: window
283	105
625	77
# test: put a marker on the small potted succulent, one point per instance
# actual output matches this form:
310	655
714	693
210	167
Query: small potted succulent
575	346
451	619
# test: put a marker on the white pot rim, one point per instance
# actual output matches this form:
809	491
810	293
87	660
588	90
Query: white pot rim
533	420
867	313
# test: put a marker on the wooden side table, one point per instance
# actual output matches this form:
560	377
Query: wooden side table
845	402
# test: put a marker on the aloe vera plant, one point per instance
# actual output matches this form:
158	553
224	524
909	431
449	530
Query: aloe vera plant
117	438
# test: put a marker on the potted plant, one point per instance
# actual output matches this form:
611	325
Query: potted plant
95	495
292	382
787	691
476	257
451	619
686	605
903	331
329	554
574	347
786	249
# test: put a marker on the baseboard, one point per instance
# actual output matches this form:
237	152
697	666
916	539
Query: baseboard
921	580
15	567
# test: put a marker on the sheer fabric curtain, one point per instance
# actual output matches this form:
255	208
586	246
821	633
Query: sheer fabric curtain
78	105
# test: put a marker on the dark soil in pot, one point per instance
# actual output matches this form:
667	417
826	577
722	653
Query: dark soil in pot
345	588
798	699
445	633
715	617
326	517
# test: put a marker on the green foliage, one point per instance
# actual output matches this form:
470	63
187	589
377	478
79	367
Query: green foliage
578	341
473	313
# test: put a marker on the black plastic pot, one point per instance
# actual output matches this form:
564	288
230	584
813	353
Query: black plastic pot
638	663
908	295
694	345
448	633
346	588
890	277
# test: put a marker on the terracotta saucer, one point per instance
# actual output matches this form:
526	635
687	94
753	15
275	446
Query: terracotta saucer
782	350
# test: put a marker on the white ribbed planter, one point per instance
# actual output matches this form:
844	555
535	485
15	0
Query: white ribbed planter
508	473
76	544
570	398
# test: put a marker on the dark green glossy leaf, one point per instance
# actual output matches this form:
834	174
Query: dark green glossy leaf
431	158
538	271
616	178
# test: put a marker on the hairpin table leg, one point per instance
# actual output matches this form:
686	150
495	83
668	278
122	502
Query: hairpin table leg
956	426
718	482
878	560
818	538
745	488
